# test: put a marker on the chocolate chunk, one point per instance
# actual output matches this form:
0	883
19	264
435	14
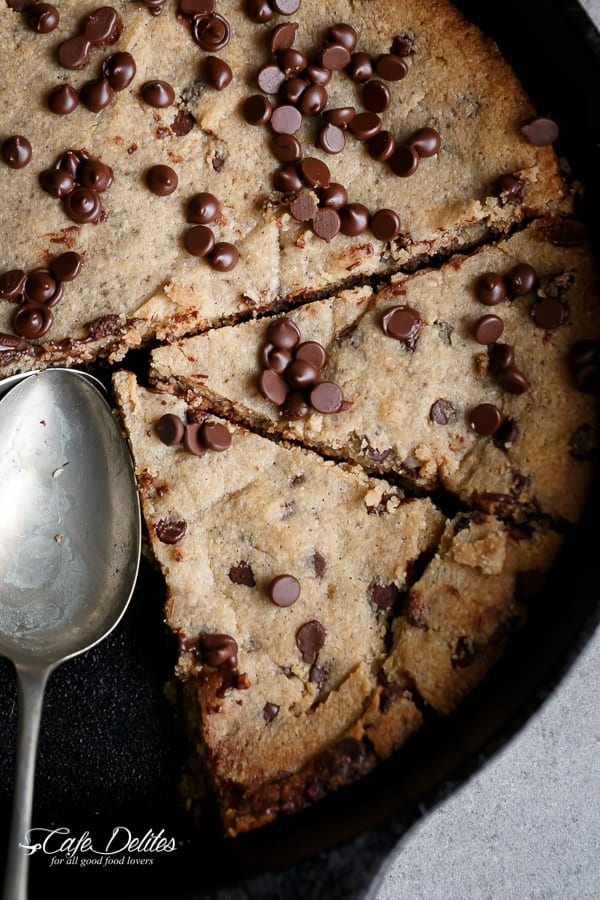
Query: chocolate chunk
313	100
63	100
212	33
242	574
488	329
318	75
16	151
162	180
317	675
550	312
385	596
82	205
190	8
286	148
391	67
501	356
169	429
92	173
584	360
273	387
564	233
326	398
340	116
182	123
74	53
427	142
282	37
403	45
283	333
506	435
295	406
326	222
491	289
360	67
218	73
334	57
286	7
313	353
385	225
32	321
512	380
270	78
303	208
40	285
343	34
541	131
319	564
217	649
215	436
192	439
382	146
203	208
443	412
12	284
291	62
96	94
284	590
365	125
485	419
171	531
42	18
404	324
310	638
315	173
103	27
66	266
583	444
354	219
521	280
331	139
158	94
270	711
286	119
376	96
404	161
557	285
259	10
464	653
224	257
257	110
510	189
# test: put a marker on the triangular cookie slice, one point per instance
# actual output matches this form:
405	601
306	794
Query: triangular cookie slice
444	381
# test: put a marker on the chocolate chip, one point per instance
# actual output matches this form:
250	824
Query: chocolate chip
488	329
19	5
301	374
485	419
286	148
66	266
295	406
92	173
510	189
70	161
276	359
506	435
103	26
313	101
257	110
360	67
326	398
171	531
120	69
242	574
292	90
354	219
464	653
584	359
158	94
443	412
82	205
427	142
192	439
404	161
501	356
218	73
162	180
310	638
216	436
365	125
169	429
282	37
56	182
382	146
74	53
340	116
303	208
286	119
376	96
286	7
583	444
404	324
549	313
12	284
521	280
564	233
273	387
491	289
318	75
32	321
40	285
334	57
270	78
259	10
224	257
315	173
385	225
512	380
391	67
292	62
211	33
317	675
217	649
16	151
343	34
203	208
335	196
385	596
283	333
63	100
541	131
326	222
199	240
287	180
96	94
42	18
270	711
284	590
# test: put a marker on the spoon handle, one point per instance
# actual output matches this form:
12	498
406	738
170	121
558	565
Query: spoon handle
31	683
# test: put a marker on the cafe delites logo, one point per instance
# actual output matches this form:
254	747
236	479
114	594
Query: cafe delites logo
121	848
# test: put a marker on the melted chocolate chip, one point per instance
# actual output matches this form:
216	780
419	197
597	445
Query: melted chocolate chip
32	321
119	69
82	205
74	53
40	285
385	596
12	284
217	649
42	18
310	639
284	590
66	266
103	26
404	324
96	94
171	531
443	412
211	33
242	574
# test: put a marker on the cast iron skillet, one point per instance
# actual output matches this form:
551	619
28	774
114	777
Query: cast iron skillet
111	752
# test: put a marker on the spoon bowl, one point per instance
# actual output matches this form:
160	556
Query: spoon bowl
70	539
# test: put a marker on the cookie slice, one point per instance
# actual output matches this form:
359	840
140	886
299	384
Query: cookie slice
431	388
283	574
138	279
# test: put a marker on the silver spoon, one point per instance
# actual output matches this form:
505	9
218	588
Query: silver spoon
70	537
